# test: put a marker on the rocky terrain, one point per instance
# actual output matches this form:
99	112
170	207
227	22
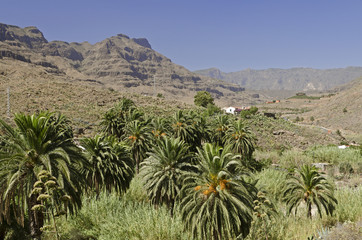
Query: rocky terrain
294	79
119	63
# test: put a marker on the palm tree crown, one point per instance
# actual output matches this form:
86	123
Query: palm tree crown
310	187
138	135
163	170
115	119
220	126
182	127
111	164
240	137
216	203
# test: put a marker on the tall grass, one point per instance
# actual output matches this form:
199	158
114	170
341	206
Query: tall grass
294	159
272	181
331	154
130	217
349	206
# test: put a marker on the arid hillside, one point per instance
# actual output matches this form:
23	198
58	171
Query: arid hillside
339	109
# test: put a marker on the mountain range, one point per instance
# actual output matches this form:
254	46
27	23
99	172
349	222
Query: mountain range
296	79
119	63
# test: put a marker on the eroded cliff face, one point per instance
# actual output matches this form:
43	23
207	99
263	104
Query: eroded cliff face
118	62
30	37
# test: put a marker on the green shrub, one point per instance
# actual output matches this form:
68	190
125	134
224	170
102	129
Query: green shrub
203	98
247	113
345	168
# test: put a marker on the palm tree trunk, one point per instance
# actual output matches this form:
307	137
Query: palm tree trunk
172	203
2	230
36	218
216	235
309	205
137	162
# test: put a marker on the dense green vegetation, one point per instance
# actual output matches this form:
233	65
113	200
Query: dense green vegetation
196	175
203	98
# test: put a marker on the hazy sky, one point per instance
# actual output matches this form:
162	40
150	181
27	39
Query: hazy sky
231	34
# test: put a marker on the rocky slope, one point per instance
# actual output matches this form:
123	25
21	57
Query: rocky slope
338	109
118	63
297	79
342	111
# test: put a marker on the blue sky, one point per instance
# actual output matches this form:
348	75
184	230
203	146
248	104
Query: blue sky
231	35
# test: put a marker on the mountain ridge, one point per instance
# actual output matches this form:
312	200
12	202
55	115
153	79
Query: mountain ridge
297	78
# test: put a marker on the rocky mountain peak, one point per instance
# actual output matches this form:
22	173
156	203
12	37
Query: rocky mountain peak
122	35
143	42
31	37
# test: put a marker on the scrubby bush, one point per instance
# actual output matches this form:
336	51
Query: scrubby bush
203	98
247	113
345	168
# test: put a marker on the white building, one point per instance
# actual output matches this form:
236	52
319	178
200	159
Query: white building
229	110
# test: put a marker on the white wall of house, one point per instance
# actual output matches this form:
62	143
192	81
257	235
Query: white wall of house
229	110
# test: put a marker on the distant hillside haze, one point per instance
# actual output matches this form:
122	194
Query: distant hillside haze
296	79
344	110
118	62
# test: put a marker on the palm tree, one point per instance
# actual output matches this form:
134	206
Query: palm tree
40	142
133	114
220	127
201	129
310	187
183	128
111	165
115	119
162	171
243	142
216	203
159	127
138	136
